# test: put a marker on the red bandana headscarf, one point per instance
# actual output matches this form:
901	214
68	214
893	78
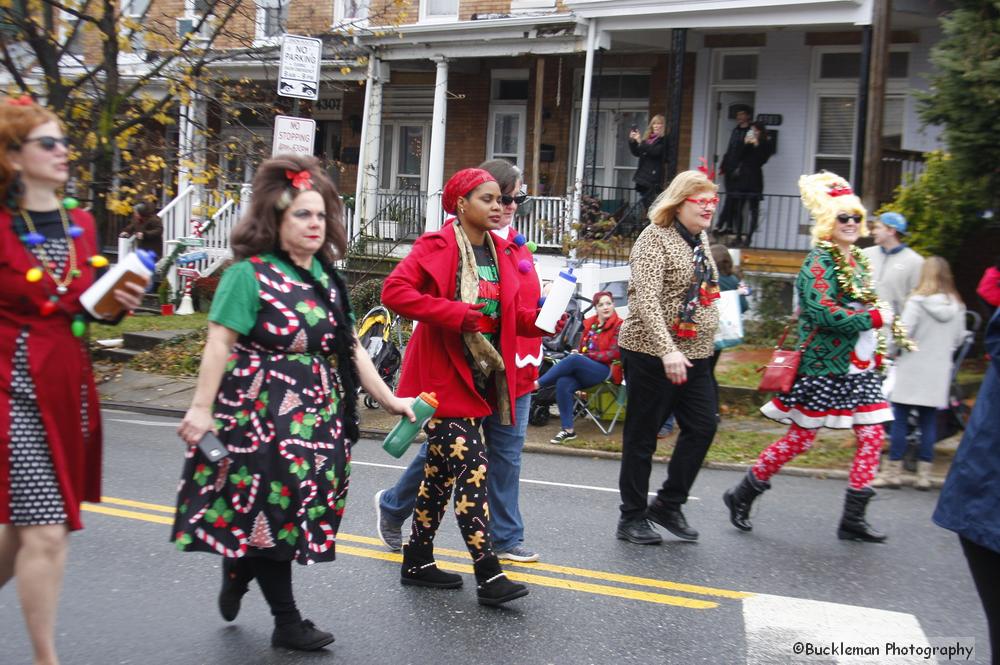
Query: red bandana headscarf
461	184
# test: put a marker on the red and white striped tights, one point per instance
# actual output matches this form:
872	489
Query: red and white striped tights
798	440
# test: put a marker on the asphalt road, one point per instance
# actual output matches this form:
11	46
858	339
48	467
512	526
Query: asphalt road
130	597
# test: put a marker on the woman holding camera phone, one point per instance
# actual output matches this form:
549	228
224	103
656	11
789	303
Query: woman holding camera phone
648	148
278	382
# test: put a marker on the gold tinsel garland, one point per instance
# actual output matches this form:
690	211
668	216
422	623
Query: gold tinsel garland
865	294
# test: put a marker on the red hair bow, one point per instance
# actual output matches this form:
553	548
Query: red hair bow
709	173
23	100
840	190
301	180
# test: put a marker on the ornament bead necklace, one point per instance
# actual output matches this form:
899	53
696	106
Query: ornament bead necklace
36	241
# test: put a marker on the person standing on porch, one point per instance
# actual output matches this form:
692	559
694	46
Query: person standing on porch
666	344
837	384
648	147
743	169
504	443
460	284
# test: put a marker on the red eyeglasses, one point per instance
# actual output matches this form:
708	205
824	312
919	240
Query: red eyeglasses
704	203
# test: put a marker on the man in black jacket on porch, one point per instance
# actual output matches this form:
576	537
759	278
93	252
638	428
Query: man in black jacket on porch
742	166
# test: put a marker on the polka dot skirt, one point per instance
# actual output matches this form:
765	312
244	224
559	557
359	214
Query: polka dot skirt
35	498
838	402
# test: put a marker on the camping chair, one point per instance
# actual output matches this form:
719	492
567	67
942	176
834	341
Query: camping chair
598	401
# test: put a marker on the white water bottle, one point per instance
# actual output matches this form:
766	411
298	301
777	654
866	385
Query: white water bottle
136	268
557	301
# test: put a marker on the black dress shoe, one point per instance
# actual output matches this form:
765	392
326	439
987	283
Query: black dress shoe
672	519
300	636
638	531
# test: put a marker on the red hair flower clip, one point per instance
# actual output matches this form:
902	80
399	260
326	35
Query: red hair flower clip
301	180
23	100
709	173
840	190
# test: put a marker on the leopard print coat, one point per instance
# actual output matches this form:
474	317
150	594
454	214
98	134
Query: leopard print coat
662	265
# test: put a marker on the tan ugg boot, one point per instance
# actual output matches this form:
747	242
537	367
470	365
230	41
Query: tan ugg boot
923	476
888	474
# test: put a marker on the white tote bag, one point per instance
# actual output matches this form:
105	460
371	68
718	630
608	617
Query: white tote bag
730	331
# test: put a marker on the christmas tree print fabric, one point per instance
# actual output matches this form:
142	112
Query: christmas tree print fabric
281	491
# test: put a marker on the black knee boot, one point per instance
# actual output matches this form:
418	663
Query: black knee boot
739	499
494	587
419	569
853	525
236	578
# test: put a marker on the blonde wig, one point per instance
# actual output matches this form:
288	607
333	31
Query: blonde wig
684	186
825	195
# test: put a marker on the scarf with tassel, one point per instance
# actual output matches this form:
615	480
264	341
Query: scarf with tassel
704	287
487	363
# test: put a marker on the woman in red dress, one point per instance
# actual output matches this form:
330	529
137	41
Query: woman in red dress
50	426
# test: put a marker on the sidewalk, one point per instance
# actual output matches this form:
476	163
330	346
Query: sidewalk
123	388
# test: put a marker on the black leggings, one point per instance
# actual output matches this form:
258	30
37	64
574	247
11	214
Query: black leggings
275	581
456	458
985	566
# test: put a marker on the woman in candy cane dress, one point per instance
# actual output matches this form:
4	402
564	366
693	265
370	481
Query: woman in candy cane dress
277	384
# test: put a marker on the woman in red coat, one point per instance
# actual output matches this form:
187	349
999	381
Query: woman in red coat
460	285
597	360
50	426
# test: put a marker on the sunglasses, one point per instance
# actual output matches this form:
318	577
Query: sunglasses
507	199
49	142
844	218
704	203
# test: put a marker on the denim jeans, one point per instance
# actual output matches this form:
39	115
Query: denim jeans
570	374
927	419
503	445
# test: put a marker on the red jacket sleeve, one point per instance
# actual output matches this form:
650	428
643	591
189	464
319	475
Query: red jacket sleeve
412	292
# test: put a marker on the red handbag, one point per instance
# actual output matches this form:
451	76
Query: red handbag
780	371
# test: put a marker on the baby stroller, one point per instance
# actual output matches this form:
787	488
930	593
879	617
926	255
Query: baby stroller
955	416
375	333
553	349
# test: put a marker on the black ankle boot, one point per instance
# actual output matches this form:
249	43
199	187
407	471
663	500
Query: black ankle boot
300	636
236	578
671	518
494	587
853	525
419	569
739	499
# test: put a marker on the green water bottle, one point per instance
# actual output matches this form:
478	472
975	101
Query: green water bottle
404	432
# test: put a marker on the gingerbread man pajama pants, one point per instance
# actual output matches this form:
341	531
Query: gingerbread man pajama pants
456	461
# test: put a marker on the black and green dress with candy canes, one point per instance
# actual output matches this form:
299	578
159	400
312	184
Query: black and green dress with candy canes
282	413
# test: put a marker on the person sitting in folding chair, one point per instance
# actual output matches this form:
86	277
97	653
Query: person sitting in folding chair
597	360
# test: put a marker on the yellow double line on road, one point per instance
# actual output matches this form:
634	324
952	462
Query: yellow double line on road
514	569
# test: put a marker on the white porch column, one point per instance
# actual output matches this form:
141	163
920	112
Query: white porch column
581	142
191	145
366	196
435	168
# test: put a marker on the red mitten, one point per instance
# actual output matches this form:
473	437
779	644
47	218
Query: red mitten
470	322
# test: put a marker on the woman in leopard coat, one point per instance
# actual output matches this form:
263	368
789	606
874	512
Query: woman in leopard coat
667	342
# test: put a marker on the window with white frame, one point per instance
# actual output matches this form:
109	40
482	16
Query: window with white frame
508	115
71	34
835	82
350	11
438	10
272	18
